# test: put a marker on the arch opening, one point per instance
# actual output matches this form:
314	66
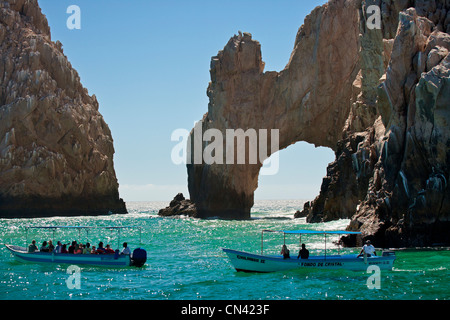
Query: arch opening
301	169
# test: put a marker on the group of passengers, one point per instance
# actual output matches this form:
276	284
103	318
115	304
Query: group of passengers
368	250
303	253
76	248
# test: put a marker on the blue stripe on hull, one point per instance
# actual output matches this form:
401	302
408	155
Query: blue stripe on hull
248	262
97	260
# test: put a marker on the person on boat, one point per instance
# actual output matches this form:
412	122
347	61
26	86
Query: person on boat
303	253
32	247
367	249
79	249
51	247
100	249
87	248
58	247
93	251
44	247
73	247
108	249
126	250
285	252
64	248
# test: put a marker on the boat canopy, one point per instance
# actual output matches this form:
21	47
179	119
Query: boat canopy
319	232
300	232
313	232
87	228
58	227
80	227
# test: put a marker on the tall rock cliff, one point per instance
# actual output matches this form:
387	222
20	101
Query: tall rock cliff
307	101
56	151
378	97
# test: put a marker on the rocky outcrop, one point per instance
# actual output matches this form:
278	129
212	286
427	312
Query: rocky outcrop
56	151
307	101
401	168
179	206
378	97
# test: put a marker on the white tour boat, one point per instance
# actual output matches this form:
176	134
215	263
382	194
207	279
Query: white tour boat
137	258
250	262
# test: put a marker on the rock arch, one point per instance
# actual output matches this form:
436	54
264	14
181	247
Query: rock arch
377	97
309	100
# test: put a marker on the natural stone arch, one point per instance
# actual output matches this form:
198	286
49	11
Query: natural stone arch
309	100
377	97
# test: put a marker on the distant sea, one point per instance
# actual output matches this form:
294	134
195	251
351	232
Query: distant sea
186	262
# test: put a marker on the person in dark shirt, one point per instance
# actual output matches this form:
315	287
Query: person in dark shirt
303	253
100	249
32	247
285	252
44	247
73	247
51	247
64	248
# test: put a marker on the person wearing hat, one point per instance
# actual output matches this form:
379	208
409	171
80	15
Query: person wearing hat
368	249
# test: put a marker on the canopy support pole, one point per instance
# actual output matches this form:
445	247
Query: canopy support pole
339	246
262	241
118	240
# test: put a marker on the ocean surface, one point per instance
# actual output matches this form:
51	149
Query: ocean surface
186	262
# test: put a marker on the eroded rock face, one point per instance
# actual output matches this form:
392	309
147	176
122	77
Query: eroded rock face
307	101
379	98
179	206
406	203
56	151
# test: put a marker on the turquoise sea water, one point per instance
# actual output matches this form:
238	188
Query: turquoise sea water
185	261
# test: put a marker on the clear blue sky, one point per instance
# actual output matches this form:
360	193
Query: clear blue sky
148	64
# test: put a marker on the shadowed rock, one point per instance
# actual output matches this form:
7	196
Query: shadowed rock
56	151
379	98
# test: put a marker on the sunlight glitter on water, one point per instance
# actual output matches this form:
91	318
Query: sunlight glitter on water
185	261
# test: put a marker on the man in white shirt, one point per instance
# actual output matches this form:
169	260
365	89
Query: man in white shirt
368	249
126	250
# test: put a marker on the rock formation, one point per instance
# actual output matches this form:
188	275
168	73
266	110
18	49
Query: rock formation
378	97
179	206
307	101
56	151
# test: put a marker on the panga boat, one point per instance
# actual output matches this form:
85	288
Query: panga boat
250	262
138	258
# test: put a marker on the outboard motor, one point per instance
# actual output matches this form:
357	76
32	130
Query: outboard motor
139	257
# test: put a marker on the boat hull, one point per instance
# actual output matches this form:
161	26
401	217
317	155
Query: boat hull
248	262
106	260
